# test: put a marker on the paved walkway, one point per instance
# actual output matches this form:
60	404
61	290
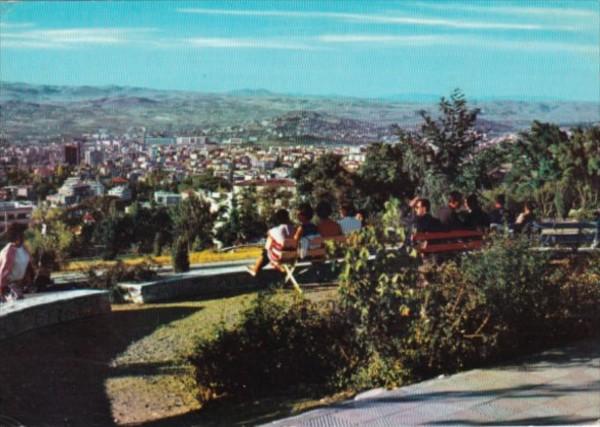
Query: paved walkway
555	387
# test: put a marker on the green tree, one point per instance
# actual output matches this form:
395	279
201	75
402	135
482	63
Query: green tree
252	225
53	236
180	255
437	154
383	175
325	179
114	234
193	221
230	232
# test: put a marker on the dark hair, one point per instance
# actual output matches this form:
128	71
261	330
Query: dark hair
282	216
425	203
347	207
15	231
306	211
473	202
455	197
500	199
323	209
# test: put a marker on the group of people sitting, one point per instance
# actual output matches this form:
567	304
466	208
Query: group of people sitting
302	235
457	215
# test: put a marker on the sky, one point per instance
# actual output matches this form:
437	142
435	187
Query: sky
526	49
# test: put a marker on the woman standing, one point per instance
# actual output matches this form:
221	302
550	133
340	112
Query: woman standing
14	264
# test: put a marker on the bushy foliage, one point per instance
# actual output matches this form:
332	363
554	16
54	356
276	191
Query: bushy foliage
279	345
397	320
560	171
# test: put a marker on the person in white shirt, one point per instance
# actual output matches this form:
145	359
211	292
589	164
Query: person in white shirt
15	263
276	239
348	222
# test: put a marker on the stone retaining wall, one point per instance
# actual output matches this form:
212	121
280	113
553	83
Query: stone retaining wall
39	310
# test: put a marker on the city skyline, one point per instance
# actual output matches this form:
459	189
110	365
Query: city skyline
517	50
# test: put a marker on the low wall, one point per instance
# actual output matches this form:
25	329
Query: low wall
216	282
39	310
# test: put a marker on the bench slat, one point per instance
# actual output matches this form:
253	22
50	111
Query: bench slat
454	234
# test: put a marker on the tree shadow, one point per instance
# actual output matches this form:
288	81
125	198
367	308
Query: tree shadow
55	376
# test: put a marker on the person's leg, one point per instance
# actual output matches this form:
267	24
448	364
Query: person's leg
260	263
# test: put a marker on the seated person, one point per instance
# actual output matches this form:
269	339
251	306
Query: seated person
307	231
500	215
307	228
475	218
348	222
423	221
15	264
276	238
362	216
448	215
326	226
526	219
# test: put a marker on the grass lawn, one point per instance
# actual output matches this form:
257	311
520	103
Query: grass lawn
128	367
200	257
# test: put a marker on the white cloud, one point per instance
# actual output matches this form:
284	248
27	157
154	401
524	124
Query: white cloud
65	38
373	38
246	43
457	40
513	10
15	25
381	19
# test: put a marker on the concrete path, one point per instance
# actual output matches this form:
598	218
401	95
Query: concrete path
555	387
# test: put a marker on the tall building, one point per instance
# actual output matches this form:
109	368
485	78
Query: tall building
72	154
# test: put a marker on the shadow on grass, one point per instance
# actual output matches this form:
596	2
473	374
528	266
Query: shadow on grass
55	376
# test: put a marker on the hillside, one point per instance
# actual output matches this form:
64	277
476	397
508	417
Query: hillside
46	112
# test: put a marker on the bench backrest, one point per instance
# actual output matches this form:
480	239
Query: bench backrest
567	233
448	241
317	250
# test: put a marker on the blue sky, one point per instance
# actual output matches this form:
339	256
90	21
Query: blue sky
516	49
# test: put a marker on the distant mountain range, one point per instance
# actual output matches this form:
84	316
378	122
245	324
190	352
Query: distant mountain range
40	111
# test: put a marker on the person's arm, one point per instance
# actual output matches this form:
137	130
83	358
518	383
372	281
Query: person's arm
298	234
6	265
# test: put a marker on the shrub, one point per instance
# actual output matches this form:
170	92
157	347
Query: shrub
378	297
397	321
180	256
451	328
277	346
519	290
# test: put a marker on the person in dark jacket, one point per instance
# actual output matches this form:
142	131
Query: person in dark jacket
448	215
475	218
500	214
424	222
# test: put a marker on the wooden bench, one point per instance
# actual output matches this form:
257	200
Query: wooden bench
447	241
568	234
290	256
